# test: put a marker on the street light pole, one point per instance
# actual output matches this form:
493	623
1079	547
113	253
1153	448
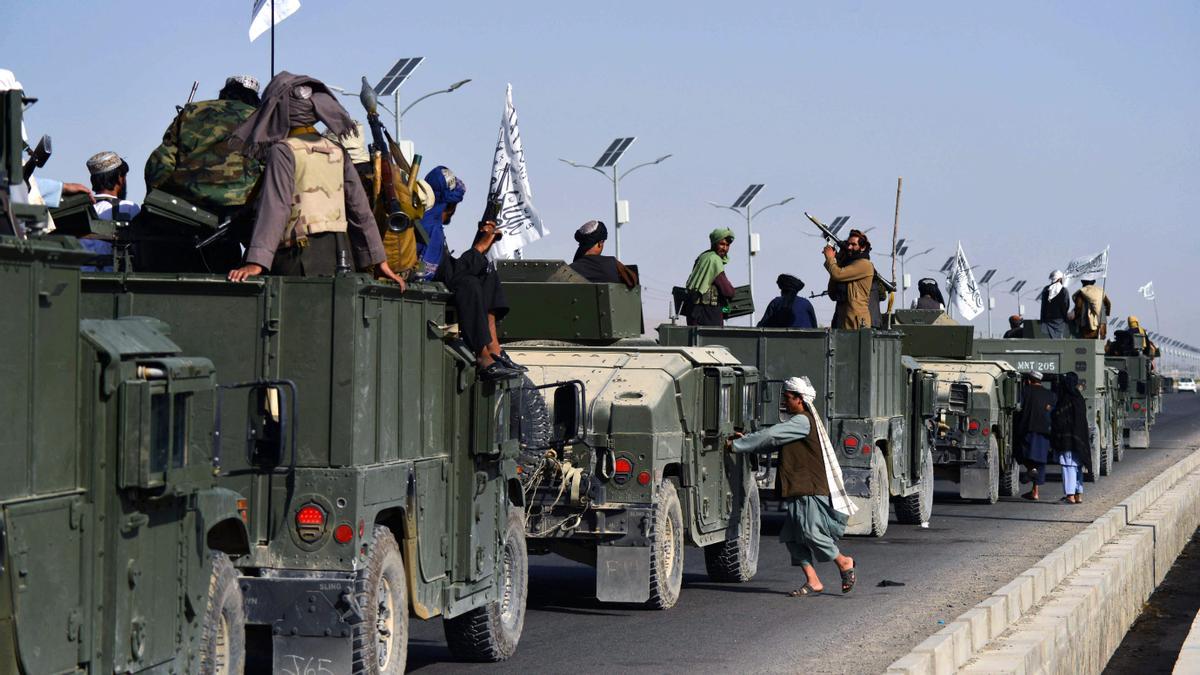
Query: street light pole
744	202
611	158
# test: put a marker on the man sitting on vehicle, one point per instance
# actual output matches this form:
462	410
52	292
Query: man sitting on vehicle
590	261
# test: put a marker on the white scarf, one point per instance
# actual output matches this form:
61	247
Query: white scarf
1056	285
833	471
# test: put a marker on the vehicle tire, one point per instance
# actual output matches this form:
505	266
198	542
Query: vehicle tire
736	559
880	502
381	638
917	508
223	633
993	457
532	416
1010	479
491	632
666	548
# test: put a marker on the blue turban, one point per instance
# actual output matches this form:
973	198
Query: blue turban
447	189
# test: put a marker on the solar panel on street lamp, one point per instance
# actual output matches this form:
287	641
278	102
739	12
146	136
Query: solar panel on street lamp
987	276
1017	287
747	196
947	265
613	154
838	223
397	75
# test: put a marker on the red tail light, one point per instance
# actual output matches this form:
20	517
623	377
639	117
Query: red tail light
622	470
310	522
850	442
986	431
973	426
343	533
644	478
1137	406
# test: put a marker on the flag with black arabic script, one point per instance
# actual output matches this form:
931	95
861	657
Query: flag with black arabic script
1089	267
964	291
517	218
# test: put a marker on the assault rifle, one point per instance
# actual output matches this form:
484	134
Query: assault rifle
838	244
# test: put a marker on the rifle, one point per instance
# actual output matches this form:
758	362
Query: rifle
397	220
37	157
492	211
839	245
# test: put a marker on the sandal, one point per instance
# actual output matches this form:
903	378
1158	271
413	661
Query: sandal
803	591
848	579
1030	497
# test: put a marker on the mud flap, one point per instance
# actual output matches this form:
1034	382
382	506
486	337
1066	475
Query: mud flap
858	486
1138	438
311	655
622	573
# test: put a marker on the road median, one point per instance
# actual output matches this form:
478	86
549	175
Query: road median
1069	612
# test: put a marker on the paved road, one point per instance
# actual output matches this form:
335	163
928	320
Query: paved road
968	551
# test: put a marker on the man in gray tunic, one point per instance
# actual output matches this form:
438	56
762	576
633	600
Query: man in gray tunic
809	480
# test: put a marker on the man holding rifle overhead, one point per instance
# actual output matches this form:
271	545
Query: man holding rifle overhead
851	277
313	213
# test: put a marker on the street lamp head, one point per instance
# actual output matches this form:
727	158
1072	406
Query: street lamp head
456	85
661	159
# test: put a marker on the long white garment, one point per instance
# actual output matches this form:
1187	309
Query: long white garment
518	219
833	471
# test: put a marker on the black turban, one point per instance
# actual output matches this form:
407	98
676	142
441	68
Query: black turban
789	284
588	235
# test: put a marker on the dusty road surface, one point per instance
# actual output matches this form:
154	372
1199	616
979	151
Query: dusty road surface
968	551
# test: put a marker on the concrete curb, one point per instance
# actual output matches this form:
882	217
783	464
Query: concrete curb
1189	655
1069	612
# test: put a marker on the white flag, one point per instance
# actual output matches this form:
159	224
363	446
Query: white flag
964	292
518	219
1147	291
1089	267
260	16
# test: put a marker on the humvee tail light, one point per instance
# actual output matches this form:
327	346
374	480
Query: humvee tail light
644	478
343	533
622	470
310	522
850	442
986	431
1137	406
973	426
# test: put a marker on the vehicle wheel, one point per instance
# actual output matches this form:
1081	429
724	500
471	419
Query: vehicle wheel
917	508
381	638
491	632
1010	479
879	495
1118	443
993	458
666	548
223	636
736	559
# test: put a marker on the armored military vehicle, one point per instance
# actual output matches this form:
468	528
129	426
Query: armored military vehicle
866	390
651	472
114	540
380	475
113	536
1138	385
1058	356
974	444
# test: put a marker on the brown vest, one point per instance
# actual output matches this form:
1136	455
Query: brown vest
318	202
801	469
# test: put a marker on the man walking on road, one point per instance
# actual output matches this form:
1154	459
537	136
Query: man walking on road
809	480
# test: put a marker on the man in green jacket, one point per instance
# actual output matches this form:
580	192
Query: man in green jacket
809	481
708	290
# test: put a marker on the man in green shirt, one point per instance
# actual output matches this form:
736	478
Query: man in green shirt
809	481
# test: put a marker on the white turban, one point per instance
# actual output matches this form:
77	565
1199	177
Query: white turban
802	386
1056	285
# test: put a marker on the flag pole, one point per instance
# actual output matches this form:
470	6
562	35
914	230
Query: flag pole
1102	324
272	39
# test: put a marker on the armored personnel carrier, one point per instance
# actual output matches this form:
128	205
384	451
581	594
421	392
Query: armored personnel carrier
650	473
380	475
869	396
974	443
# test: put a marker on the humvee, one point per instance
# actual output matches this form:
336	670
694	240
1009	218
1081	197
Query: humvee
974	445
651	473
380	475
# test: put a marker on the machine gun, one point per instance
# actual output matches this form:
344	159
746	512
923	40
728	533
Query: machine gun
839	244
37	157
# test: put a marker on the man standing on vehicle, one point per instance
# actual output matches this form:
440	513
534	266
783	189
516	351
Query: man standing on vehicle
1056	309
809	481
1091	304
590	261
708	289
789	310
311	200
851	276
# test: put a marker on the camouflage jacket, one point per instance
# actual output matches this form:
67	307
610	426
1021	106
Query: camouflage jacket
195	161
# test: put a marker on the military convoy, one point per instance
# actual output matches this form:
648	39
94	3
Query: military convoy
651	472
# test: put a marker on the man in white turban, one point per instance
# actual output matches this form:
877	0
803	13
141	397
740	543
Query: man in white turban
809	481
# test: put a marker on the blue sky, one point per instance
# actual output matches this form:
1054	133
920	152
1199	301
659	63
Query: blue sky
1033	132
